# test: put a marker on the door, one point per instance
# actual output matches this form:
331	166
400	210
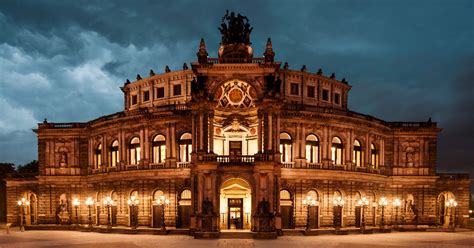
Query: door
156	216
235	149
235	213
286	217
313	217
184	216
358	216
442	211
97	216
337	216
113	218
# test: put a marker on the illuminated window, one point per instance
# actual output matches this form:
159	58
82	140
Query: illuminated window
185	147
357	153
336	150
374	156
98	156
285	147
159	149
114	154
312	149
134	148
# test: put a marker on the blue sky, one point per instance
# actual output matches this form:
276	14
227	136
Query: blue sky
406	60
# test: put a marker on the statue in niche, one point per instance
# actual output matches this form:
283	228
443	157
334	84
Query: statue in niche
63	210
63	159
410	157
265	217
263	207
207	207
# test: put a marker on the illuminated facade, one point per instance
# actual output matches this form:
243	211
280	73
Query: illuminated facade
239	142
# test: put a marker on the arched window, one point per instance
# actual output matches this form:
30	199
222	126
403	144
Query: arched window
114	154
336	150
312	149
134	148
98	156
374	156
185	147
313	194
357	153
285	147
158	149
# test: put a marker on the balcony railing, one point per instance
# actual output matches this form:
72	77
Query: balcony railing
339	167
235	60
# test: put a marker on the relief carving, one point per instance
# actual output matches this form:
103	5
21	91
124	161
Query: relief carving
410	156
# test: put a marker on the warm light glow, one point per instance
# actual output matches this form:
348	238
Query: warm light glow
363	202
338	201
76	202
23	202
383	201
108	201
162	201
397	202
133	201
89	201
451	203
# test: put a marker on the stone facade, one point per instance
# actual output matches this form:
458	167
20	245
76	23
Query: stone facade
248	133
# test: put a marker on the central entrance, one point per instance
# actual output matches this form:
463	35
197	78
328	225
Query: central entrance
235	205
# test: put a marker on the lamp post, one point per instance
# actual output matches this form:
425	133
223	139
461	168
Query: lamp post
133	203
363	203
76	203
338	203
383	202
89	203
309	202
451	204
163	202
22	203
108	202
396	204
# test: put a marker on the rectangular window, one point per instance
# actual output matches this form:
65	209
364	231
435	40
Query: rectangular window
146	96
160	92
294	89
177	90
326	95
134	99
336	98
311	91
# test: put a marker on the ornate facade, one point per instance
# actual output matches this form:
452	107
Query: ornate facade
239	142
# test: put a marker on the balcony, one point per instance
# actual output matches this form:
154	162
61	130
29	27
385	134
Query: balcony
338	167
140	166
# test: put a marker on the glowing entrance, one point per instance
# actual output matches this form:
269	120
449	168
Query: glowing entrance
235	204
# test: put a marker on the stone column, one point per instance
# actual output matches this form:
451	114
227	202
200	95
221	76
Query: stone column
211	133
260	132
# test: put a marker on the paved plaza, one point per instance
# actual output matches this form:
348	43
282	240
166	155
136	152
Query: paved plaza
73	239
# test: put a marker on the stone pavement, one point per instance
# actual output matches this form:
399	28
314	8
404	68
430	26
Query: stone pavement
72	239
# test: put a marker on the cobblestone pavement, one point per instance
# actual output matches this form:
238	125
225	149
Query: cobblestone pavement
53	239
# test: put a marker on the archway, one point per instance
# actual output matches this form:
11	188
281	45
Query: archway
235	204
443	211
286	209
184	209
30	210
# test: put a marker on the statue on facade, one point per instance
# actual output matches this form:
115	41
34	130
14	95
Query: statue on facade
63	159
265	217
62	212
207	207
235	29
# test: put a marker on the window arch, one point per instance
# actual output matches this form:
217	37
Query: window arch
313	194
312	149
134	148
158	149
374	156
285	195
114	153
357	153
185	147
285	147
337	150
98	156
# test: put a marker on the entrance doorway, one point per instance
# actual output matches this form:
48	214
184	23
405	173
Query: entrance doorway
444	213
235	204
235	148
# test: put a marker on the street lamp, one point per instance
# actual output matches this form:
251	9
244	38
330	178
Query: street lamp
22	204
309	202
89	203
108	202
162	202
133	203
383	202
451	204
338	203
76	203
396	203
363	203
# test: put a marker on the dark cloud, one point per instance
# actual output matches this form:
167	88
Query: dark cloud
405	60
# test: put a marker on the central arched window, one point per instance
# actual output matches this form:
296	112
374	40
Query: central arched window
312	149
185	147
114	154
159	149
98	156
285	147
134	148
357	153
336	150
374	156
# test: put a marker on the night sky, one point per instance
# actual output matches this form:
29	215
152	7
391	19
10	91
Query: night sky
406	60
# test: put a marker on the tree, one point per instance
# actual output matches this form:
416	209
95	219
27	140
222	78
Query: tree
6	168
31	167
